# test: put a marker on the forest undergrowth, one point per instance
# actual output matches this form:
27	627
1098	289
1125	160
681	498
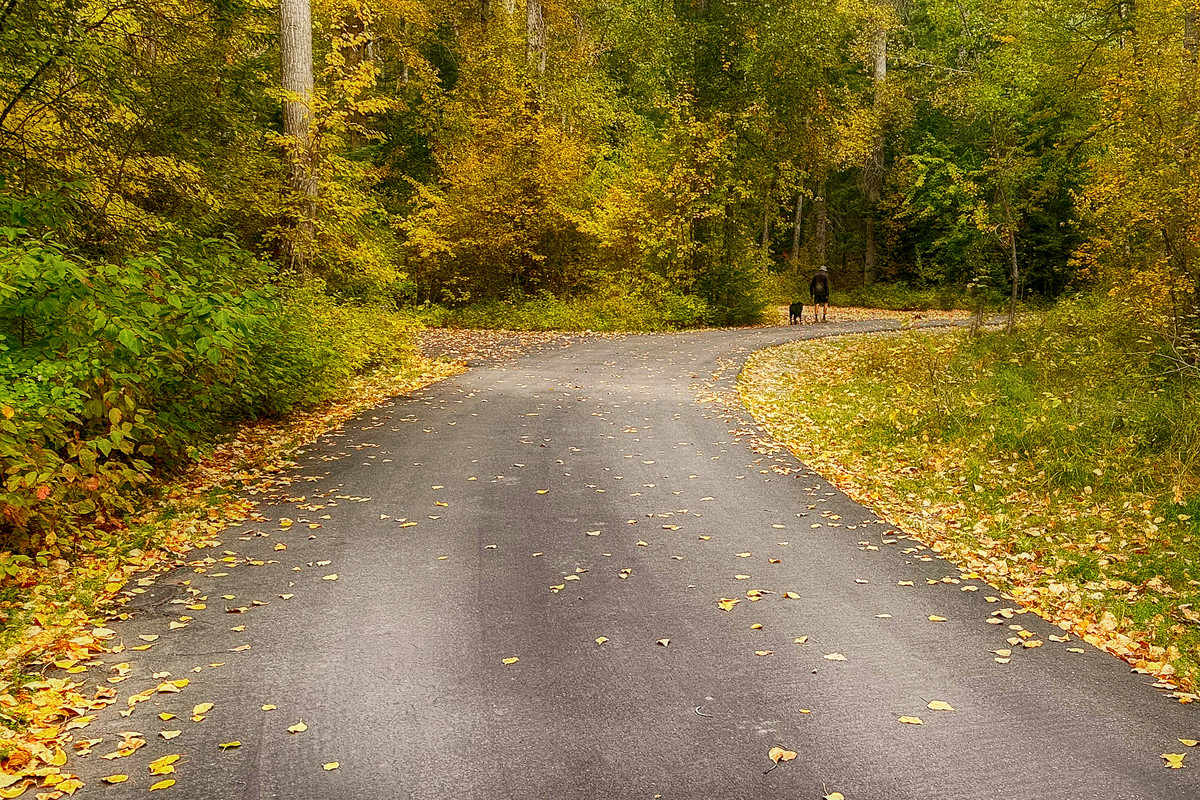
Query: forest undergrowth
1060	463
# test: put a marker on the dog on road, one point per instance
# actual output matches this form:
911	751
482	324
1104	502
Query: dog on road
796	313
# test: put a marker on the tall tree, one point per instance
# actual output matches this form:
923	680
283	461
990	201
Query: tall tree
299	130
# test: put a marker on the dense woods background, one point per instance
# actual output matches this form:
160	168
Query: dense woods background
174	256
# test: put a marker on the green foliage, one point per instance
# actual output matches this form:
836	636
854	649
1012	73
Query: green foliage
110	371
902	297
638	310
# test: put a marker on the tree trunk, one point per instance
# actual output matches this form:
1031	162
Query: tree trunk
295	49
873	169
822	224
796	227
535	32
1191	35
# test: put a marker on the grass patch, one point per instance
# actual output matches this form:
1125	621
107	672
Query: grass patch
1060	463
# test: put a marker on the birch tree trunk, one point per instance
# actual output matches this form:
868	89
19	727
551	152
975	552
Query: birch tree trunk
295	49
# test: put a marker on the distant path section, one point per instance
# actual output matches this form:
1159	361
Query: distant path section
570	573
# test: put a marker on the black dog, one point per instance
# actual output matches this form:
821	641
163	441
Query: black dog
796	313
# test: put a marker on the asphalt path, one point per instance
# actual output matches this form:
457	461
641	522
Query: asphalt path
591	491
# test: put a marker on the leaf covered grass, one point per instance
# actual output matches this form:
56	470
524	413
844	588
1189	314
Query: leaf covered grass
1061	463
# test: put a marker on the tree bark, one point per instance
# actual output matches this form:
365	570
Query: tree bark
535	32
822	224
796	227
873	169
295	49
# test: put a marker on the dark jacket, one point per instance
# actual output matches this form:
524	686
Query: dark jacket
820	285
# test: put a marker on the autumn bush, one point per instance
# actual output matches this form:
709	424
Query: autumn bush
637	309
113	373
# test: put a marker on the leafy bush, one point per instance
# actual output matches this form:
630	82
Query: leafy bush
901	297
109	372
642	308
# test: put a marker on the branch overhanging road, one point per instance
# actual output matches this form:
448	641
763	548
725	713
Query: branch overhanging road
592	464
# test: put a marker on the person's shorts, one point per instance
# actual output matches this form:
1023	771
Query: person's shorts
820	299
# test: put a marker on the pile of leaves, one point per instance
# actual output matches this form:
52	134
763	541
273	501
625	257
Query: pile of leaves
1025	458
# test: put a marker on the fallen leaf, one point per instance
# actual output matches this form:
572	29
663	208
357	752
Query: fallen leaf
911	720
763	652
791	596
201	708
778	754
269	707
123	778
663	642
936	618
940	705
167	784
330	765
601	639
800	639
741	577
510	660
168	735
1189	742
727	603
332	577
1172	760
164	765
299	727
742	555
229	745
834	657
834	796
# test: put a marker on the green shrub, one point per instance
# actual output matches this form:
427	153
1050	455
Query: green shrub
901	297
111	372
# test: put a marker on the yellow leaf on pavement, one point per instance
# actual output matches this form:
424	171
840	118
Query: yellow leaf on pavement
167	784
330	765
331	577
269	707
1173	760
510	660
663	642
601	639
121	778
940	705
834	657
168	735
778	754
1189	742
299	727
936	618
911	720
727	603
834	796
229	745
791	596
201	708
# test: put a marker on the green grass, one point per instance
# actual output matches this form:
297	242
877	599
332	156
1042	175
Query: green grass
1067	450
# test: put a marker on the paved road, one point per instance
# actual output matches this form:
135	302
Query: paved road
586	491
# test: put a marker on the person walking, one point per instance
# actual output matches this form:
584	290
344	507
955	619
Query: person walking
820	293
